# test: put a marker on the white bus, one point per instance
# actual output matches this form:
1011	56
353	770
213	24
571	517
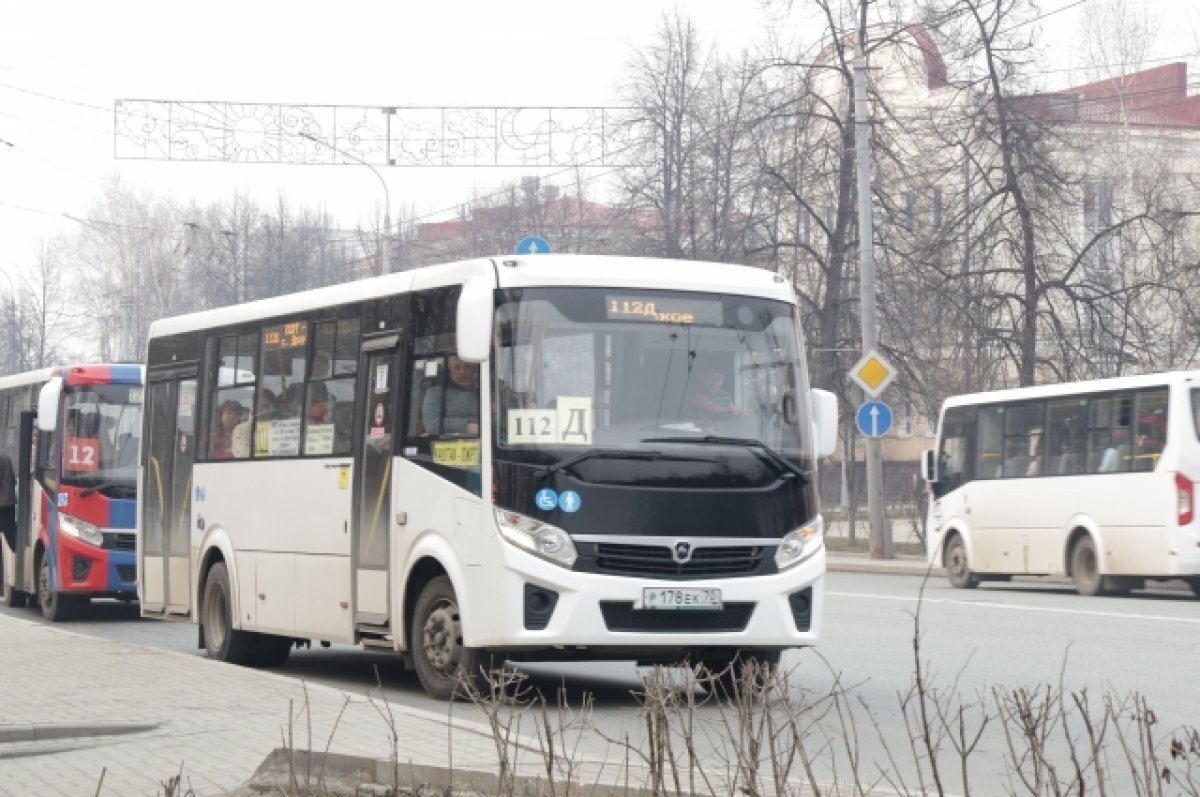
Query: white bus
1094	480
317	467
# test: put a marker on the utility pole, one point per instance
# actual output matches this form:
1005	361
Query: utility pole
881	537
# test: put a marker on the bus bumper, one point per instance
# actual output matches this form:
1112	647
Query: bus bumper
84	569
594	613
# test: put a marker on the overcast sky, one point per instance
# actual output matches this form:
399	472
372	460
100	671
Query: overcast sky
63	64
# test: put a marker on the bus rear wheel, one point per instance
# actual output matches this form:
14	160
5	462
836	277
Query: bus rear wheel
1085	568
221	641
446	667
958	569
56	606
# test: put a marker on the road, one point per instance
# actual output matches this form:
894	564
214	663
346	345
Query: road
1000	636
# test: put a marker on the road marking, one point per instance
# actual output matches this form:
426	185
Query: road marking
993	605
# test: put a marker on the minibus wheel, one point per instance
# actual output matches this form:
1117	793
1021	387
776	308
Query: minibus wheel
1085	568
56	607
447	669
221	641
958	569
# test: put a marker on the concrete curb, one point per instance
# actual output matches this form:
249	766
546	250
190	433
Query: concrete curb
45	731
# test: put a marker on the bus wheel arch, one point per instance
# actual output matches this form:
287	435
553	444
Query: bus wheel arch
956	560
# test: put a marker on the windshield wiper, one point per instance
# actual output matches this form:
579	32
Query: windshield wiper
615	453
785	465
95	488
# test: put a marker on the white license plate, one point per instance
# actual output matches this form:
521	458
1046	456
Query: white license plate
671	598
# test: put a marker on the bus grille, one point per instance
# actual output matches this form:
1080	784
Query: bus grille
120	540
656	560
621	616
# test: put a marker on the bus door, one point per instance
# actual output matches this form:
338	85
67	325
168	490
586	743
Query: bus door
373	480
22	580
166	495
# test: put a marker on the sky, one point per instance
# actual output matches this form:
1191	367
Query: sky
64	63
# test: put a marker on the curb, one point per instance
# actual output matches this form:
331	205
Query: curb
46	731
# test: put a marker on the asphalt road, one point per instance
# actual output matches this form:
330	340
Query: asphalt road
1001	637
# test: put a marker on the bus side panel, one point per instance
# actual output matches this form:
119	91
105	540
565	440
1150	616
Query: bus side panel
276	513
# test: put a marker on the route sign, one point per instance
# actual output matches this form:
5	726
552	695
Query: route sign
533	245
873	373
873	418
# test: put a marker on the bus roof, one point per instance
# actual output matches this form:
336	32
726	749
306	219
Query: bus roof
1072	388
513	271
80	374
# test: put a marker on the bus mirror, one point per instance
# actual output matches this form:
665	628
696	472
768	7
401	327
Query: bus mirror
824	414
928	466
474	332
48	404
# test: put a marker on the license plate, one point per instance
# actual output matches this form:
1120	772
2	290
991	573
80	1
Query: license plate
686	598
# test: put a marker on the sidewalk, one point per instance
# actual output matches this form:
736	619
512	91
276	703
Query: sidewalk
75	709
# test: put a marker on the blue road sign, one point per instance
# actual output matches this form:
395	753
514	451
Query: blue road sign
533	245
873	418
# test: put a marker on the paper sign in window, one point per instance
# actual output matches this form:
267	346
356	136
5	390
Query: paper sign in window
318	439
456	453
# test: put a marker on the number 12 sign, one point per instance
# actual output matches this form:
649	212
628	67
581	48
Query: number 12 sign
82	455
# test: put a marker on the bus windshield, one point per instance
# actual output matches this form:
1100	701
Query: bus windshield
102	428
637	371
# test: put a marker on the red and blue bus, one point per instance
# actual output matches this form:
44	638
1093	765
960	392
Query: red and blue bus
71	435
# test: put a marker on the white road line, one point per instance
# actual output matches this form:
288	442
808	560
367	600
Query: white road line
1011	607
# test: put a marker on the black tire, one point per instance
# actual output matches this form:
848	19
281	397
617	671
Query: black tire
14	598
1085	568
271	651
221	641
1194	583
56	607
447	669
958	569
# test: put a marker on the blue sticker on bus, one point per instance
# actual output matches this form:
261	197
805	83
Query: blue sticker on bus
546	499
62	499
570	501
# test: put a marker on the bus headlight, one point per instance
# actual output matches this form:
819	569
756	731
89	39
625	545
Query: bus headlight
541	539
81	530
798	545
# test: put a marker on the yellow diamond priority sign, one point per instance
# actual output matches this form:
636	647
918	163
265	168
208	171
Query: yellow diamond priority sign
873	373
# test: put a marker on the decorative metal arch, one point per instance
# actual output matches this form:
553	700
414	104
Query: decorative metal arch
380	136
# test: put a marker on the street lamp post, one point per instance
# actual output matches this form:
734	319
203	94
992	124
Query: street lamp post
382	246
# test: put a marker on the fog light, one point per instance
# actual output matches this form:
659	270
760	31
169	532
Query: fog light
80	568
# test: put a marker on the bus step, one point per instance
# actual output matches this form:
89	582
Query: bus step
382	629
379	643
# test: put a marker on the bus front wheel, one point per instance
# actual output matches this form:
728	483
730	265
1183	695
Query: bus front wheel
1085	568
958	569
446	667
221	641
56	606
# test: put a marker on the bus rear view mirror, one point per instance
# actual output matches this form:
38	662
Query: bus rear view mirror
928	466
824	413
476	305
48	404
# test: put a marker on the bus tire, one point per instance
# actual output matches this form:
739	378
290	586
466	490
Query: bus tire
56	607
1085	567
447	669
14	598
958	569
1194	583
221	641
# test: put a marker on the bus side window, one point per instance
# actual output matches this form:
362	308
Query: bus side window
990	440
1151	429
954	454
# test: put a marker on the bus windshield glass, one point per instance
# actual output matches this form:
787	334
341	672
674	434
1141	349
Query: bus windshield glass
102	427
636	371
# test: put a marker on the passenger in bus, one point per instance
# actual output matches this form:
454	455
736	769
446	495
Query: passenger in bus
1117	451
229	415
453	407
268	404
709	400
